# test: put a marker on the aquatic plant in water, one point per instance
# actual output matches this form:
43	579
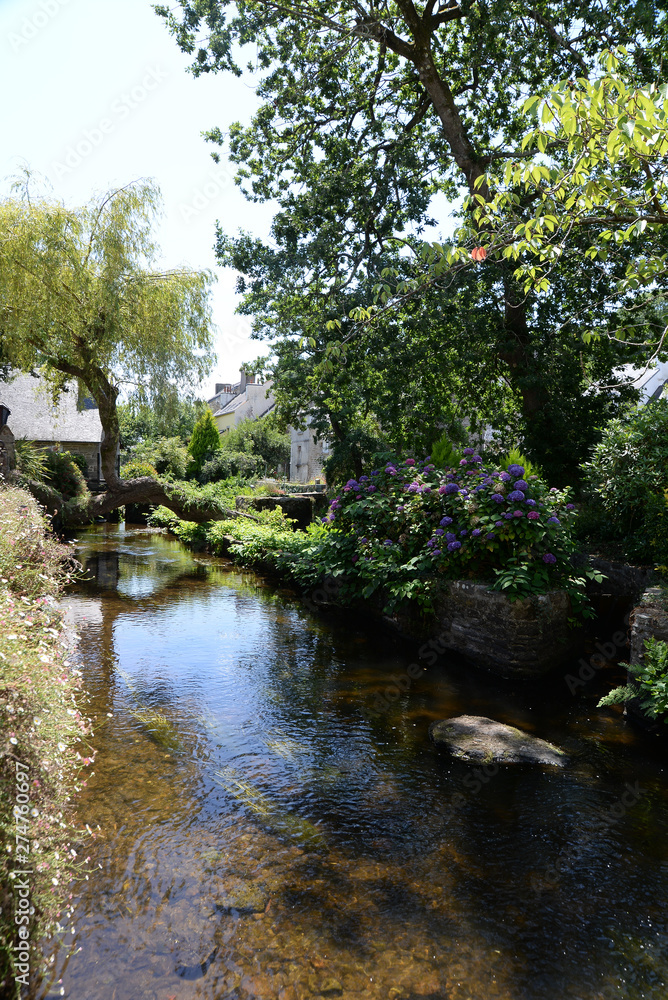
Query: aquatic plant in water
295	828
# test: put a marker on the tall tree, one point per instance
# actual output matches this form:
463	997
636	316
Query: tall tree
80	299
370	109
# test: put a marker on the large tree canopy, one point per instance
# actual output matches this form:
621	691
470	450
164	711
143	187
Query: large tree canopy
80	298
369	110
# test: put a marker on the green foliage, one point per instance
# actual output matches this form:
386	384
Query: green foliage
43	726
649	684
174	417
64	474
627	479
136	468
403	527
168	456
82	297
595	162
364	317
263	439
226	463
31	461
444	454
352	451
515	457
205	439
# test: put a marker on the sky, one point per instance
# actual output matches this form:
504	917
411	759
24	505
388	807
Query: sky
96	94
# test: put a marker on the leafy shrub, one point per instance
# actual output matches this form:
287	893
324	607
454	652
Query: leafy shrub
360	447
80	461
167	456
205	439
225	464
262	439
135	468
649	684
64	474
627	479
444	454
406	525
515	457
30	461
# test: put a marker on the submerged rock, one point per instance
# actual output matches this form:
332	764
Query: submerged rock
483	741
244	898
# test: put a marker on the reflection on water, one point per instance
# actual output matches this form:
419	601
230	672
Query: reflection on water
286	842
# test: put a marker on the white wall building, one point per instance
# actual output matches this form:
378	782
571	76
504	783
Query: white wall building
244	400
307	456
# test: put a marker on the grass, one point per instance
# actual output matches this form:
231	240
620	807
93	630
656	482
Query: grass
43	728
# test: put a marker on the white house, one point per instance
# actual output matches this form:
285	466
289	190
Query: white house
245	400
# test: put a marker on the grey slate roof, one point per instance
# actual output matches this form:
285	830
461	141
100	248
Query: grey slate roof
34	416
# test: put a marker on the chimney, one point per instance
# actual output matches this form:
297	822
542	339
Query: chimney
250	379
219	387
242	382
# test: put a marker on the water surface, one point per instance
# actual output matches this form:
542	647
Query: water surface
273	835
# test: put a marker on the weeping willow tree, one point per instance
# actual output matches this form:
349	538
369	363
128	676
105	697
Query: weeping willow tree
81	298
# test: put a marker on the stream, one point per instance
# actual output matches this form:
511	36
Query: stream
262	831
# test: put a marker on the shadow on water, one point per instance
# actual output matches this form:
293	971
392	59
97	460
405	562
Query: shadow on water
283	841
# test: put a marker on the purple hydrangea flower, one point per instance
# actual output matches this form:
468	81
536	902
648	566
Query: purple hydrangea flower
364	479
533	515
401	509
450	488
490	535
352	483
518	513
532	503
499	524
375	472
445	521
431	543
439	531
520	485
426	489
477	458
508	516
553	489
453	546
371	489
436	552
467	451
450	537
516	495
388	541
549	558
463	533
413	488
464	461
409	461
504	477
355	558
516	470
498	498
476	532
553	520
570	506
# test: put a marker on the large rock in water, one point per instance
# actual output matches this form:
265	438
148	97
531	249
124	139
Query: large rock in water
483	741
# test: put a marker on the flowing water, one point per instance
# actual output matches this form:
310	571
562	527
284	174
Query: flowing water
262	830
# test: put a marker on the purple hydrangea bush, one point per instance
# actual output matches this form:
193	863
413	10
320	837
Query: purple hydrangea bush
417	524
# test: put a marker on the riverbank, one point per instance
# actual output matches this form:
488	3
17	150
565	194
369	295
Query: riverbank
43	736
